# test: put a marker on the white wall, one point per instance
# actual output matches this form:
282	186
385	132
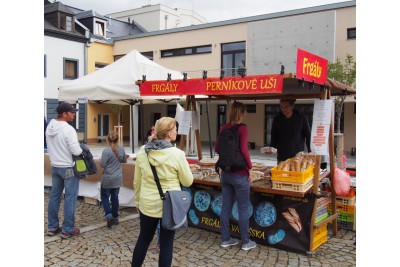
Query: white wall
55	50
152	17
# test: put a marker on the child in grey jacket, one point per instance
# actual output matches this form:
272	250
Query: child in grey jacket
111	179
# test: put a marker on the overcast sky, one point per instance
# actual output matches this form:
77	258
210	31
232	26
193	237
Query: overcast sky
211	10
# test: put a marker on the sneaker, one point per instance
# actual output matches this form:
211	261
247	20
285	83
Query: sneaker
230	242
116	221
74	232
110	222
54	232
249	245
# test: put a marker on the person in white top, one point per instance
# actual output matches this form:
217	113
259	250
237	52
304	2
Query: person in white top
62	143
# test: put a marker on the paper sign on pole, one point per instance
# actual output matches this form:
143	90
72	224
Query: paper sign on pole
178	111
185	118
321	126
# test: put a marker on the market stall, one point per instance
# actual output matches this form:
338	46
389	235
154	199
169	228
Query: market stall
292	213
89	187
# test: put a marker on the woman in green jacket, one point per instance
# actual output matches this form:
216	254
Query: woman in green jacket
173	170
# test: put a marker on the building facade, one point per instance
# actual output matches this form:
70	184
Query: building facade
260	44
64	56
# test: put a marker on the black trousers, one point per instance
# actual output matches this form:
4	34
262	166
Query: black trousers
148	226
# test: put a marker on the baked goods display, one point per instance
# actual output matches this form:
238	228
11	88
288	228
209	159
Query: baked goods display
297	164
204	170
208	161
257	176
258	166
203	173
194	167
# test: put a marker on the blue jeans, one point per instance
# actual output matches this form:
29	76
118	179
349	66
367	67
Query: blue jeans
105	194
148	226
235	185
63	178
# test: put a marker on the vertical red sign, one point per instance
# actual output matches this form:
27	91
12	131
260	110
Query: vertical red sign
311	67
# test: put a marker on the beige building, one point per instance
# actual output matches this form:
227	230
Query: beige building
261	44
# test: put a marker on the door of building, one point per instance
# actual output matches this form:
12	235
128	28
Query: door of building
103	126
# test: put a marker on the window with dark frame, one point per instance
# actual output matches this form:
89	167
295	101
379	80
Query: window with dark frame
118	57
148	55
70	69
99	28
233	58
98	66
351	33
66	22
186	51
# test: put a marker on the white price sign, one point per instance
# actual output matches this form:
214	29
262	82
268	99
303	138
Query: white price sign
82	100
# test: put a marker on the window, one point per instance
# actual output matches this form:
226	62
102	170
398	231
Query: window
149	55
186	51
66	22
99	28
233	57
118	57
98	66
70	68
351	33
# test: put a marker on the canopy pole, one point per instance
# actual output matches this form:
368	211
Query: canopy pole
141	121
209	130
85	122
132	134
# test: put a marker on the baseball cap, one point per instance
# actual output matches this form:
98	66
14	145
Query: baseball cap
65	107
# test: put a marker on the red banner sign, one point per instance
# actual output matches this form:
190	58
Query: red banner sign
235	85
311	67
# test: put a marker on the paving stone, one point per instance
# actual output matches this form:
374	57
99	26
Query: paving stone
192	247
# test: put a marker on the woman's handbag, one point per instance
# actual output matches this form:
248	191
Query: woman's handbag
176	205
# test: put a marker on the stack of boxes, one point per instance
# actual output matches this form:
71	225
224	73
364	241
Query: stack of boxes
322	206
292	181
346	209
321	234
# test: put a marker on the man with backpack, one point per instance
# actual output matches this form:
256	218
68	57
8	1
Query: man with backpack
235	164
62	143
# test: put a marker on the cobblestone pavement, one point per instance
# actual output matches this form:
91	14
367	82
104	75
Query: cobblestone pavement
98	245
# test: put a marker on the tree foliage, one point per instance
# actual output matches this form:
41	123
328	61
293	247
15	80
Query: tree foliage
344	73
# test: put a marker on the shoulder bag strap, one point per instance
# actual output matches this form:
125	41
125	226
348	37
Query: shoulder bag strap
153	169
116	154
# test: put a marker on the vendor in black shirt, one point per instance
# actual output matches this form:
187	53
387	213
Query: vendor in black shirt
290	131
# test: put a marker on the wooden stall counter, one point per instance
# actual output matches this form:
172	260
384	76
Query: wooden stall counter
277	218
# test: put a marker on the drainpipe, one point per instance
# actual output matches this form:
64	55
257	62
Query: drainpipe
85	55
86	105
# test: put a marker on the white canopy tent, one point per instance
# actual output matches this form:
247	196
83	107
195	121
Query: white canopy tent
116	84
